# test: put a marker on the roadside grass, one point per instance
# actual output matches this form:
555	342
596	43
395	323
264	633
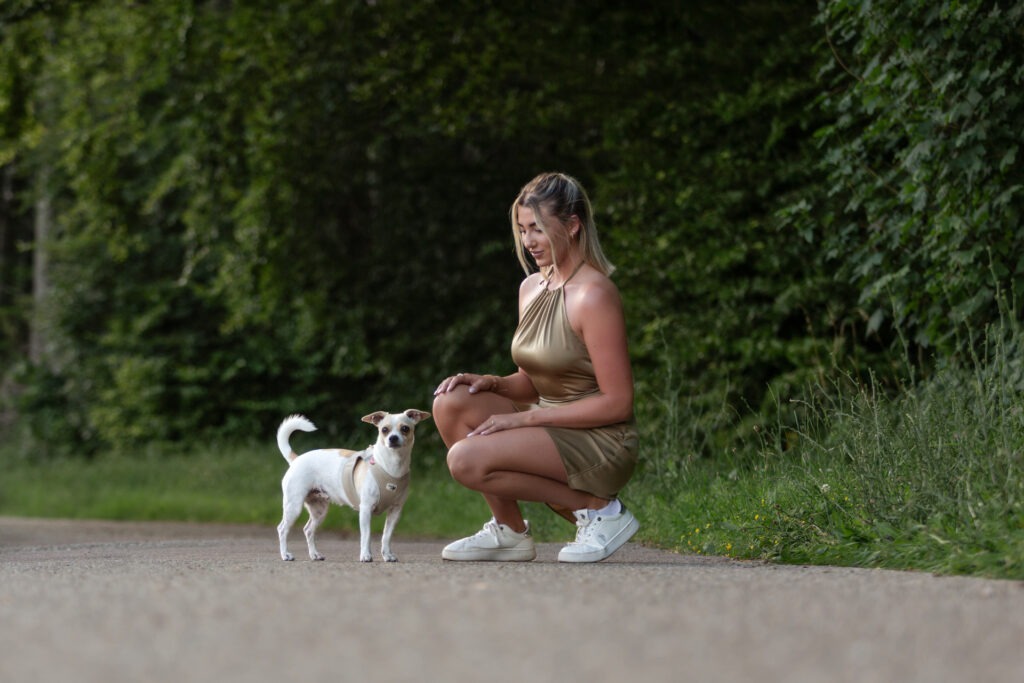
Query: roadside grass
930	479
231	484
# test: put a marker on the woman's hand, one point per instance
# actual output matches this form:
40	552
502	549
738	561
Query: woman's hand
499	423
475	382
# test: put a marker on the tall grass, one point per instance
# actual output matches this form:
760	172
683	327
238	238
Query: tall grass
928	479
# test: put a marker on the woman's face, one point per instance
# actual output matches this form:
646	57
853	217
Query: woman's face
535	240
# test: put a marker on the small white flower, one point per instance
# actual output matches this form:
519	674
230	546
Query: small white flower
825	488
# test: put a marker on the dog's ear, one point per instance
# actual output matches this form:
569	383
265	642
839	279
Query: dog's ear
416	415
375	418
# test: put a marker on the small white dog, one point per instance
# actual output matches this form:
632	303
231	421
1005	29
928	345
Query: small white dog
371	480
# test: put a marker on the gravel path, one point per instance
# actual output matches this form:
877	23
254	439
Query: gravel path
153	602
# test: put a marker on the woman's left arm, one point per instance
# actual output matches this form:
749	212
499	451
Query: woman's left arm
596	313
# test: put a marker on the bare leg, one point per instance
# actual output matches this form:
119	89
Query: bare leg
506	467
459	412
563	512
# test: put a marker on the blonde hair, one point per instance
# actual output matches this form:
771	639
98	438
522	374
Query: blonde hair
563	197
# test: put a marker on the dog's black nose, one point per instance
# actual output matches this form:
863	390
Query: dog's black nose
394	440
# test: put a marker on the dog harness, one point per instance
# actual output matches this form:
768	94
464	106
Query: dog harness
390	487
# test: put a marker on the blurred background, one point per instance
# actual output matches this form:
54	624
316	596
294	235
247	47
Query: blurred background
217	213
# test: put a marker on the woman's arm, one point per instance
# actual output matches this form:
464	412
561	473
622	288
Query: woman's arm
595	312
516	386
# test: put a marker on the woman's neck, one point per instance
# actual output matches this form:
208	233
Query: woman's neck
560	273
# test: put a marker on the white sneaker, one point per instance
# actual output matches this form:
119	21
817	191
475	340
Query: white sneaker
599	537
495	542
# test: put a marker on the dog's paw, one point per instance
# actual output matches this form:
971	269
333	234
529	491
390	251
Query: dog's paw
287	557
316	557
366	558
389	557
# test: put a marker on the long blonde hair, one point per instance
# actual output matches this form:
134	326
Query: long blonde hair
563	197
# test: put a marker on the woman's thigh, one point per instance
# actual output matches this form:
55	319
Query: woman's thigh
529	450
460	411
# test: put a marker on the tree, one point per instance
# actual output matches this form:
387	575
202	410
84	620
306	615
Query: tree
267	207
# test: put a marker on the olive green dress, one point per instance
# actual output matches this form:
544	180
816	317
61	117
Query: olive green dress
598	460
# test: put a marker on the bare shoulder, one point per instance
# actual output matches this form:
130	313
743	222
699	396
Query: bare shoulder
529	288
530	282
592	299
594	292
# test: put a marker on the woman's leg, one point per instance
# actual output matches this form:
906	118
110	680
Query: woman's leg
512	466
457	413
506	467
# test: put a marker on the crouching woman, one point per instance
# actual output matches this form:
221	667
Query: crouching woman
560	429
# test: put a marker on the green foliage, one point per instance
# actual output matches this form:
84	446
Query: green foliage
221	260
736	302
270	207
921	155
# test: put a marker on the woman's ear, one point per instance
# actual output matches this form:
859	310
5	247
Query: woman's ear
574	226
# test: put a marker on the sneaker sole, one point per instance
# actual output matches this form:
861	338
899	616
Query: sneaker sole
617	542
495	555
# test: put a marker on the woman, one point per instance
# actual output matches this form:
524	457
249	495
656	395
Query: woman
559	430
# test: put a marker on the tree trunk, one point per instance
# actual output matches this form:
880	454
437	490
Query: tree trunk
39	335
6	221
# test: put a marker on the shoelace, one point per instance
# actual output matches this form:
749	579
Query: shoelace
490	529
584	529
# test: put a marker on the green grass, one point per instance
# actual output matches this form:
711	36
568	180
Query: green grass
233	484
930	479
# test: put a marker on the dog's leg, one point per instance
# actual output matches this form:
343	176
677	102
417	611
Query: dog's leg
317	508
365	515
389	527
292	510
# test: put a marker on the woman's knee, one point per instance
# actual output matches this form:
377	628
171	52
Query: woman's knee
448	407
463	466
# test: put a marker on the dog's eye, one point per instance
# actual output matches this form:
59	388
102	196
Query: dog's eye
385	430
405	429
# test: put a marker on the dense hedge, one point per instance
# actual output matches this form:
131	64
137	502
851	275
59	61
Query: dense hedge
266	207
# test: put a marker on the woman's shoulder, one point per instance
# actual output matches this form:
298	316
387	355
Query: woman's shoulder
529	287
592	288
592	279
531	281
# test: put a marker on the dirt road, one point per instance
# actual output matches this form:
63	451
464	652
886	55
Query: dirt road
103	601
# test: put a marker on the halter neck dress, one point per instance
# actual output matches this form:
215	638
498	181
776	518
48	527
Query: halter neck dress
598	460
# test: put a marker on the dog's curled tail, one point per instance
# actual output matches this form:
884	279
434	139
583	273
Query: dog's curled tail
290	424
